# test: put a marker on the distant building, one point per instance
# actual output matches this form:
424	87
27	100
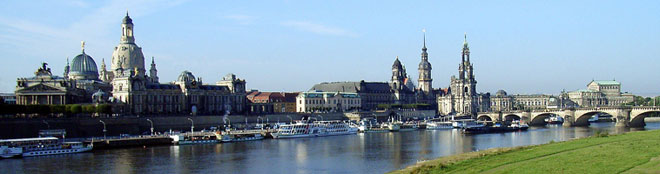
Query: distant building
600	93
328	101
503	102
128	86
8	98
46	88
462	97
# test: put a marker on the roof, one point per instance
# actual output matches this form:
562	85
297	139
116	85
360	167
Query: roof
356	87
606	82
27	139
163	86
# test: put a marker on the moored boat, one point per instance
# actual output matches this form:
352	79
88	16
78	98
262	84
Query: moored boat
194	138
302	129
436	125
40	146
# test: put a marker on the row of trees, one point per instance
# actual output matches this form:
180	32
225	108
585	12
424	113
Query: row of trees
644	101
55	110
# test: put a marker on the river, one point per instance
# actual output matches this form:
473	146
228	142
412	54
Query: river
361	153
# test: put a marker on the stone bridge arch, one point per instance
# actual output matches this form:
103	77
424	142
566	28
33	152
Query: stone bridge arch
581	117
637	115
486	117
539	117
511	116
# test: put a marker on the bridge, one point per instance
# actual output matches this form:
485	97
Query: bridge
627	116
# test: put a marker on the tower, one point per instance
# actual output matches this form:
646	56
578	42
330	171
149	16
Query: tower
153	73
398	74
66	69
424	69
127	55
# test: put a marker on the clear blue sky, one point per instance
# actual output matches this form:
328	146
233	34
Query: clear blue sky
523	47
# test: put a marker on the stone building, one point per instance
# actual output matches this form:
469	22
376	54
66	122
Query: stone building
46	88
462	98
328	101
144	94
600	93
127	85
504	102
371	93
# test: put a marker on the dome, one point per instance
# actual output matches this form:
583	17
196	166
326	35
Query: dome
127	20
397	64
83	67
186	76
424	65
500	93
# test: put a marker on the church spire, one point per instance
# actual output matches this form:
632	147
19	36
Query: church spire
424	48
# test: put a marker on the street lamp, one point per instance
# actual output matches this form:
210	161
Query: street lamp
152	126
290	119
104	130
192	125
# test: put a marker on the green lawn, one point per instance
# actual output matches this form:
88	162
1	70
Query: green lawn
634	152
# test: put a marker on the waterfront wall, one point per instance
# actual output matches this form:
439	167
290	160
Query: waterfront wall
91	127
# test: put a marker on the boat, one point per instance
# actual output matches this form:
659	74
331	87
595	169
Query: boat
554	120
467	123
409	126
393	126
194	138
302	129
27	147
238	136
497	128
438	125
371	125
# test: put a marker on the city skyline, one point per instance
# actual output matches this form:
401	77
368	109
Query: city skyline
275	53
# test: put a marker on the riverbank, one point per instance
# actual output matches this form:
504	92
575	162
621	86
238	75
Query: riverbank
633	152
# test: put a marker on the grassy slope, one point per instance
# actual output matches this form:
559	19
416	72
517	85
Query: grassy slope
635	152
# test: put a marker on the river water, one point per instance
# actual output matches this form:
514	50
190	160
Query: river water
361	153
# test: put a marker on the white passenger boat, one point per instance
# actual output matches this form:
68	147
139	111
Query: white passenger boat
437	125
39	146
371	125
239	135
302	129
408	127
466	123
195	138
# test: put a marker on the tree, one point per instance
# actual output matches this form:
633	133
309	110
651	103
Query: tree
76	109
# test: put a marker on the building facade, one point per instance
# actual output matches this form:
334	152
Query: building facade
316	101
129	87
462	98
600	93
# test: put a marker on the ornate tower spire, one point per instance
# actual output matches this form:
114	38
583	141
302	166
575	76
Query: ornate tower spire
127	30
424	69
66	69
153	73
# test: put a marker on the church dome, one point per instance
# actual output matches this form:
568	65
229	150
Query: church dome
186	76
500	93
127	20
83	67
397	64
424	65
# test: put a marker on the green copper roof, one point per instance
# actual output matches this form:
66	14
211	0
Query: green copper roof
607	82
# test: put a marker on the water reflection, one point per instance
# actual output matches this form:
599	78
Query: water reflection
362	153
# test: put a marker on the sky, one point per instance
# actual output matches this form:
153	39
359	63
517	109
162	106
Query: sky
522	47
